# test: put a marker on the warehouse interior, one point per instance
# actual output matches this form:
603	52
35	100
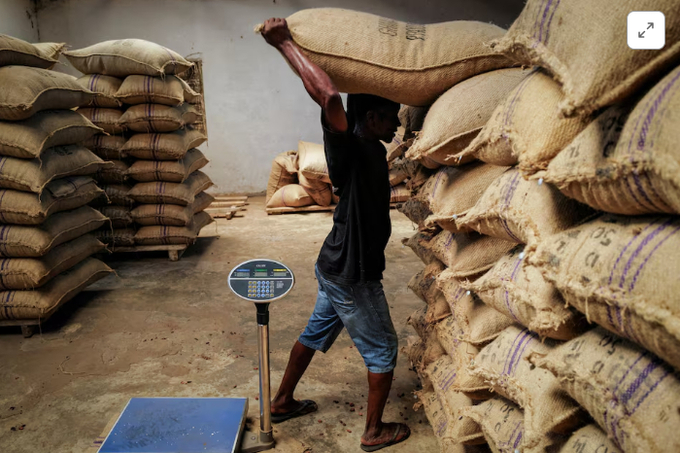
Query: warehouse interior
534	200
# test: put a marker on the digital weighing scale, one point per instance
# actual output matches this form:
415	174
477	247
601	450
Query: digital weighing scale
210	425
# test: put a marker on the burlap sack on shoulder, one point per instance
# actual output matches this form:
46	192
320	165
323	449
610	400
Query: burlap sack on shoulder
108	147
622	273
399	193
27	91
170	214
170	192
418	243
284	172
118	194
42	302
170	146
144	89
116	237
631	394
627	164
584	45
468	254
30	273
290	196
479	322
123	57
321	192
104	89
503	366
15	51
29	138
164	235
27	208
116	172
407	63
312	161
498	421
522	211
106	118
456	118
158	117
589	439
453	191
119	216
527	127
167	170
519	291
33	241
32	175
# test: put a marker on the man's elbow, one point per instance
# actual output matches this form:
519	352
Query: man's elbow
331	100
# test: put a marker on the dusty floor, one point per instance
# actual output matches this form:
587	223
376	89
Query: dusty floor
159	328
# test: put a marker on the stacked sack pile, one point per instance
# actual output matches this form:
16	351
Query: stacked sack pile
154	186
45	185
548	325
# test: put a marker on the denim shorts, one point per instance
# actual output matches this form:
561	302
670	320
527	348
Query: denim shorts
361	308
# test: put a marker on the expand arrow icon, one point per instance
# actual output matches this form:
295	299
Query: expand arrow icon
641	34
650	25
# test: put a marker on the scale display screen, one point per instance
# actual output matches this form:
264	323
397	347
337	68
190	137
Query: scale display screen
261	280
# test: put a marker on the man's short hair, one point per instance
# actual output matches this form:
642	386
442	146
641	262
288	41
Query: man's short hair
358	105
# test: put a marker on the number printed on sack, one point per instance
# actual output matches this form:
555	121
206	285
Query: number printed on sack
415	31
388	27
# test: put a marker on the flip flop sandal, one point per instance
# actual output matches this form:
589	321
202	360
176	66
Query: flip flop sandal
392	441
307	407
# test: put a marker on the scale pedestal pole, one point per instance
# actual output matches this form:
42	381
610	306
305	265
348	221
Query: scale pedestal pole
264	439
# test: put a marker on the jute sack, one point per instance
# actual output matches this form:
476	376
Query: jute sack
527	127
123	57
104	89
478	322
51	50
108	147
468	254
290	196
164	235
284	172
27	91
621	272
518	210
397	176
26	208
32	175
170	192
412	119
431	352
499	421
167	170
15	51
418	175
42	302
28	139
627	169
321	192
34	241
144	89
396	148
118	194
462	353
399	193
418	243
460	113
312	161
415	351
158	117
117	237
418	320
114	173
106	118
504	367
589	439
452	191
172	146
30	273
118	215
519	291
422	283
559	36
630	393
407	63
171	214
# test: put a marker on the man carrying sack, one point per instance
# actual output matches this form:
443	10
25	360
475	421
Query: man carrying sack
352	259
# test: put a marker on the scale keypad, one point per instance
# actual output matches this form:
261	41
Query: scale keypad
260	289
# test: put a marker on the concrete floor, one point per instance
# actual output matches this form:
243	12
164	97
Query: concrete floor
159	328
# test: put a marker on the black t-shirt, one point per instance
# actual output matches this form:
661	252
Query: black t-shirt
354	251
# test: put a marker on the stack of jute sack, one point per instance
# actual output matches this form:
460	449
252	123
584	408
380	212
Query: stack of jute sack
45	184
155	187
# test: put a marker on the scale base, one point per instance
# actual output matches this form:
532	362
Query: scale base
254	441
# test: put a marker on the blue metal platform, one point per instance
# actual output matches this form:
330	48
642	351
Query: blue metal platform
178	425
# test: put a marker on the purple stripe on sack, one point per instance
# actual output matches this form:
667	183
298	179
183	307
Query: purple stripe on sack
651	389
449	381
641	190
534	27
449	241
518	92
651	113
623	252
639	249
519	438
547	28
513	366
525	335
440	174
507	296
633	388
546	9
507	357
637	273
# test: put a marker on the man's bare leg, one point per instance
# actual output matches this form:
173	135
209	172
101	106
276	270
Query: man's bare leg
377	432
300	356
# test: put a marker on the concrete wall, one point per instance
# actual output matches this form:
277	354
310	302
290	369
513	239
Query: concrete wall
256	107
17	18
